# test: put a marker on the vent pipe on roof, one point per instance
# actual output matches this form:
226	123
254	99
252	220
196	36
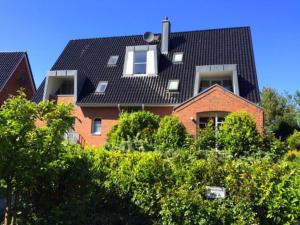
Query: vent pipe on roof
165	36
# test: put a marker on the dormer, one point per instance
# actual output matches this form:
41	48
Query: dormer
60	83
223	75
141	61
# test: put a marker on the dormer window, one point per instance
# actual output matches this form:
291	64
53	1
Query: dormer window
173	85
101	87
140	62
113	60
224	75
225	82
177	57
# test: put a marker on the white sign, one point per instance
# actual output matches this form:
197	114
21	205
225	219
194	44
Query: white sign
215	192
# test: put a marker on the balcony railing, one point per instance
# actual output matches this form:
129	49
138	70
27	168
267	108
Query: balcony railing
74	138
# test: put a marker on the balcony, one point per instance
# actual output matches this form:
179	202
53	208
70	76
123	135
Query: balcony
74	138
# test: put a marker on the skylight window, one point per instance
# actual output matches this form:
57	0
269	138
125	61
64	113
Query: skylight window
173	85
101	87
113	60
177	57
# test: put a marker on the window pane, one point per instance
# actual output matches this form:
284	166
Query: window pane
140	57
227	84
140	68
113	60
173	85
101	86
177	57
204	84
97	126
219	82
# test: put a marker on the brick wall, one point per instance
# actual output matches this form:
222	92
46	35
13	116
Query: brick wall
20	78
214	100
109	117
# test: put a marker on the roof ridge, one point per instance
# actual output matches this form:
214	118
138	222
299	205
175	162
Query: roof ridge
177	32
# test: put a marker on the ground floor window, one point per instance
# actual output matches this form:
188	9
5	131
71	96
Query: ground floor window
96	126
216	118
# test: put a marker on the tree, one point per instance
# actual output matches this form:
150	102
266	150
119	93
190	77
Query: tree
294	141
25	150
171	134
238	135
206	138
134	131
280	112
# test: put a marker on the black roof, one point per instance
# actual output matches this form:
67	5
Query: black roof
205	47
8	63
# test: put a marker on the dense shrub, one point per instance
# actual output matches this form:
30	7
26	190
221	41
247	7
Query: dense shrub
238	135
294	140
134	131
160	190
272	147
171	134
206	138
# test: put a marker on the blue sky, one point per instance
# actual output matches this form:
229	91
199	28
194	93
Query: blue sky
43	28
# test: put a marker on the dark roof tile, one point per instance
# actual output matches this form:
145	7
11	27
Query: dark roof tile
208	47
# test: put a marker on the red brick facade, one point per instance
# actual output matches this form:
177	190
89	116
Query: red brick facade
109	117
21	78
216	100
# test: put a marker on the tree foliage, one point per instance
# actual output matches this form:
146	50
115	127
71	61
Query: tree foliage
55	182
25	150
294	140
238	135
134	131
170	134
281	112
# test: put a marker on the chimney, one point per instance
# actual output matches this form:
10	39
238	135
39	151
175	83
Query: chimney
165	36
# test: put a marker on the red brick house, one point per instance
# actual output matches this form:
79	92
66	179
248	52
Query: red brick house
194	75
15	73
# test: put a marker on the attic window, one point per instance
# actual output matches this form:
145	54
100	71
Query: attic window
173	85
101	87
177	57
140	62
113	60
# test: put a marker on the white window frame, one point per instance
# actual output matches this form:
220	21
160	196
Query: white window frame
94	132
177	85
98	87
151	61
215	115
176	61
113	60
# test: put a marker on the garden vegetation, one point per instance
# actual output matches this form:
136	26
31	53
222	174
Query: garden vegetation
150	171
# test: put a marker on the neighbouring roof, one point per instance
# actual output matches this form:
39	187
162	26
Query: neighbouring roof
8	63
205	47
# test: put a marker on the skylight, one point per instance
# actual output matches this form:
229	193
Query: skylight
113	60
177	57
173	85
101	87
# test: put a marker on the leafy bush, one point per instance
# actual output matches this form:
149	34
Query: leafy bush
134	131
159	190
171	134
294	140
206	138
238	135
272	146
